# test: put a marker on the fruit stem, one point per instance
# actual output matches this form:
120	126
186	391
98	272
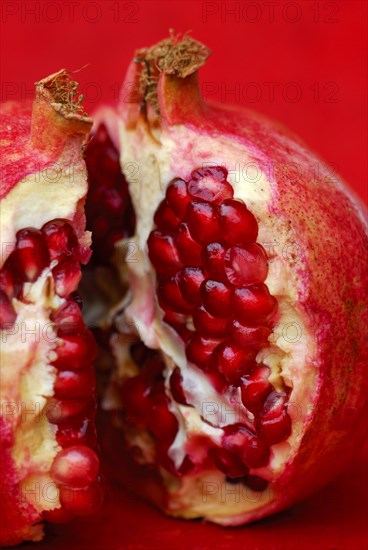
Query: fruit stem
177	57
57	112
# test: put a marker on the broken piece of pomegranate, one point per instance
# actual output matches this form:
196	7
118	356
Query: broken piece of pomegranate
248	286
50	469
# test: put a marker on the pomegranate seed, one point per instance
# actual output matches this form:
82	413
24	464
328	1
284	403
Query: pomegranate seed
174	318
58	516
216	298
228	463
255	388
163	253
234	362
256	453
110	200
190	252
209	184
165	219
68	319
190	280
31	254
256	483
82	432
207	325
61	412
61	239
7	312
176	387
178	197
273	423
67	275
109	209
253	304
202	221
75	466
10	282
135	397
246	265
72	384
238	223
163	423
170	296
214	256
76	351
245	336
219	173
199	350
83	501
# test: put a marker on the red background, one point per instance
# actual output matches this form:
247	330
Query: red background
302	63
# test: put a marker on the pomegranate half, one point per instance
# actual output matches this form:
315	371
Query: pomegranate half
50	469
240	348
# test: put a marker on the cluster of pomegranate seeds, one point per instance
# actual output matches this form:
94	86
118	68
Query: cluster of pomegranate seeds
109	210
146	402
72	408
211	276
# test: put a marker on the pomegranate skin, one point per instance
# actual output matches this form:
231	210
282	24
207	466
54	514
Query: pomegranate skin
306	211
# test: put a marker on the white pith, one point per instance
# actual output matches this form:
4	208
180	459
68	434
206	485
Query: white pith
180	150
42	196
27	380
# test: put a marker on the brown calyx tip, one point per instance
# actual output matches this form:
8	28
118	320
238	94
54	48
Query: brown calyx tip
179	55
62	93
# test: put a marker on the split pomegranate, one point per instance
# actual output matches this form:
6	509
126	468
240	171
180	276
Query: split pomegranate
47	379
238	352
249	287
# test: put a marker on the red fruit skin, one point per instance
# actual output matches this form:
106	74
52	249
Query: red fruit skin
17	516
332	291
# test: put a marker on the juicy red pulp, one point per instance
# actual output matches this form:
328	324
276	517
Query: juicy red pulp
72	408
211	287
146	403
109	210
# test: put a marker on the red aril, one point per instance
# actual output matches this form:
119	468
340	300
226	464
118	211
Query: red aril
190	251
163	253
246	265
31	254
253	304
255	388
238	223
76	466
202	220
216	297
190	280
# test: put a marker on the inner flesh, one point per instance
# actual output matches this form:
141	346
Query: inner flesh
210	277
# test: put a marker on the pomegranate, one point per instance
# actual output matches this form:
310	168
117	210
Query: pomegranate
247	284
48	406
227	280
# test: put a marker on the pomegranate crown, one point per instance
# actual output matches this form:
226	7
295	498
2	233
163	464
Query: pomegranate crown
178	56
